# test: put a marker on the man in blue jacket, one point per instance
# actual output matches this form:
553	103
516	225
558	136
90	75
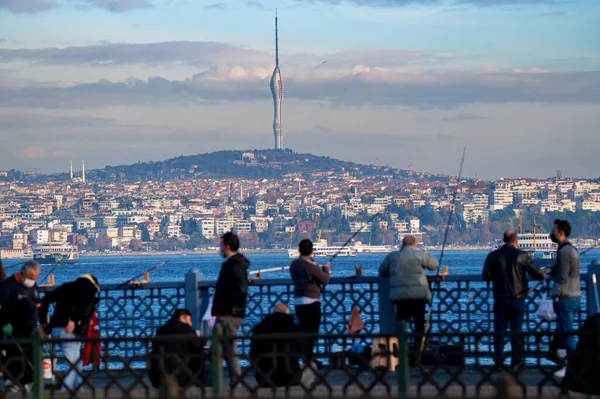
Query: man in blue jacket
19	302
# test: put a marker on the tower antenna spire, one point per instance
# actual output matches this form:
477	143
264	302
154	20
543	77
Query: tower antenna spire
277	92
276	41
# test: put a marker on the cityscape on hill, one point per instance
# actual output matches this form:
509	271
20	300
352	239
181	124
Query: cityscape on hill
272	199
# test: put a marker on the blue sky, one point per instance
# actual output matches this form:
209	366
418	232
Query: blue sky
117	81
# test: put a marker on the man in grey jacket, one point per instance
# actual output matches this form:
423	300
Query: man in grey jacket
566	292
409	288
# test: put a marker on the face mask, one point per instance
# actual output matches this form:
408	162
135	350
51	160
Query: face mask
28	283
553	238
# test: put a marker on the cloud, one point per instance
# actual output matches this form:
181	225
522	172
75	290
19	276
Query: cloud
39	152
37	6
196	54
27	6
464	116
404	3
28	121
360	86
193	53
216	6
117	5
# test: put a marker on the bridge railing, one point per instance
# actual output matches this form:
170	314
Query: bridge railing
463	370
461	304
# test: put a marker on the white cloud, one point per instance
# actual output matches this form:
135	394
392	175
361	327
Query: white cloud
359	85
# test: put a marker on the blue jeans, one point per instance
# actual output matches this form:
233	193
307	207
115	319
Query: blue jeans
565	309
72	352
508	312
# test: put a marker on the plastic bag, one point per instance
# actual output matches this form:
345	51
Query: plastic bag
546	309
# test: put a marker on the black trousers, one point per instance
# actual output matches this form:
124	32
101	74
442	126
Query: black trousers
412	309
309	317
509	312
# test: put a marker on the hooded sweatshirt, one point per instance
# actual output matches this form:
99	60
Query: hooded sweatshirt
75	301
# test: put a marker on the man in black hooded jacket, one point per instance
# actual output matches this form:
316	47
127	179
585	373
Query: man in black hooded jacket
277	360
74	305
177	352
229	302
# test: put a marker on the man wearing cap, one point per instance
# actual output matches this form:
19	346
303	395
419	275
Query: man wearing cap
74	305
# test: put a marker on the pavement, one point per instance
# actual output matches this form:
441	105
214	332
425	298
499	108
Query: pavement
347	383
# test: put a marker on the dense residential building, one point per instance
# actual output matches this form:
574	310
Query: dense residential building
193	213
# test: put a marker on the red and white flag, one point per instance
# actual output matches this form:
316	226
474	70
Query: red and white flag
355	324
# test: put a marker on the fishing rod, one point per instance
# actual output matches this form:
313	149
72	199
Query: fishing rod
273	269
131	280
353	235
437	275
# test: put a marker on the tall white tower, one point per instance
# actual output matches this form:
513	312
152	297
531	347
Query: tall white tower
277	92
82	172
71	169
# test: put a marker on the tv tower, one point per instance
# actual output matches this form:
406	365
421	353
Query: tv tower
71	170
82	172
277	92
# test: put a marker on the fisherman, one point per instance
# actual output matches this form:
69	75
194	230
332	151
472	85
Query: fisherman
308	278
19	302
409	288
277	361
229	303
75	303
177	352
507	268
566	292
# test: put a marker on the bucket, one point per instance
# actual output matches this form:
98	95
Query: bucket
48	367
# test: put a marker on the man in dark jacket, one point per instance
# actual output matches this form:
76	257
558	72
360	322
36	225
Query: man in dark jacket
566	291
229	303
74	304
277	361
177	349
308	278
19	300
507	268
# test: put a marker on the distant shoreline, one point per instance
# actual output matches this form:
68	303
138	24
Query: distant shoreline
246	251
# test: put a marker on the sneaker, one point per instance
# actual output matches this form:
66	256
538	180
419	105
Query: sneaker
15	388
561	373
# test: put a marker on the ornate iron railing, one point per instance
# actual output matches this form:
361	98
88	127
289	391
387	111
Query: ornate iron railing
462	303
383	371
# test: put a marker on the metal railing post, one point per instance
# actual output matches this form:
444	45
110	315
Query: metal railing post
593	296
37	351
387	315
217	360
192	296
402	370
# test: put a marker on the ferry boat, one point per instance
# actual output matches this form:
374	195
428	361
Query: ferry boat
360	248
55	254
537	244
322	250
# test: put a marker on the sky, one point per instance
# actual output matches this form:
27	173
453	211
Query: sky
395	82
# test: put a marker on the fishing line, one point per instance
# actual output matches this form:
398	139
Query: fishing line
437	275
354	235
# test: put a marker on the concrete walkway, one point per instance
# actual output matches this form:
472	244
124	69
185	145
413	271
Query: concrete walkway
348	383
